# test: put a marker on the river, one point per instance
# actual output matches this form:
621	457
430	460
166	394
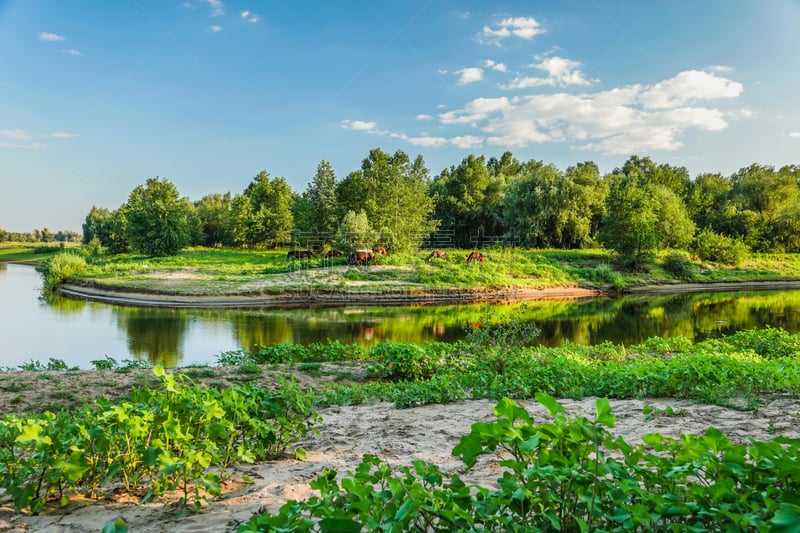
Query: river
78	332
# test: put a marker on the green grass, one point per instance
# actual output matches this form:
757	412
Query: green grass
27	252
214	271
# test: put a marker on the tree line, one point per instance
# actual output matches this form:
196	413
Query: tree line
40	235
391	200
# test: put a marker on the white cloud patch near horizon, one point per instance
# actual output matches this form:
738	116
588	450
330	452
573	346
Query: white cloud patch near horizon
423	116
360	125
469	75
14	134
50	37
62	135
522	27
794	134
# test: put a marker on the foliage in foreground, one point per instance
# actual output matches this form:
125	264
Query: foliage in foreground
566	475
181	438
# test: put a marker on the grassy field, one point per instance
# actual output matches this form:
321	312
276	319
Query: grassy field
209	271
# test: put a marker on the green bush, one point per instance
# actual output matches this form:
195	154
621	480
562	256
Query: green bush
678	264
60	267
401	361
711	246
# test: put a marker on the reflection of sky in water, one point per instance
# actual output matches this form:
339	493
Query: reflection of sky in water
78	332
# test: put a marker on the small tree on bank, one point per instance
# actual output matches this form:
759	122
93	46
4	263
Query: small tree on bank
157	221
355	232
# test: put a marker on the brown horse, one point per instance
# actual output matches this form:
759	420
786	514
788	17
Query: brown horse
300	254
475	256
436	254
379	250
360	257
333	253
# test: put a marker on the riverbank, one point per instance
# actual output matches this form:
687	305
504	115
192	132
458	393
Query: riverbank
387	296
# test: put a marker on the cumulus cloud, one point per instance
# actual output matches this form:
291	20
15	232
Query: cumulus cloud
560	72
427	141
360	125
500	67
72	52
522	27
62	135
215	28
423	116
469	75
467	141
794	134
50	37
616	121
249	16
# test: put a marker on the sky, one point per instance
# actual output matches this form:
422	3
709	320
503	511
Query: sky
98	96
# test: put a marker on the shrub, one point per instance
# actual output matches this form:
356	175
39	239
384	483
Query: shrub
401	361
711	246
60	267
678	264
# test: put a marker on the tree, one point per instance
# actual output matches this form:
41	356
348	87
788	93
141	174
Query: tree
118	231
468	200
631	219
262	215
96	225
214	213
321	197
397	201
355	232
157	219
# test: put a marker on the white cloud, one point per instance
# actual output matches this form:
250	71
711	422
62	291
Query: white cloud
427	141
62	135
14	134
688	86
423	116
500	67
523	27
44	36
794	134
245	14
249	16
621	120
560	72
217	8
469	75
215	28
253	19
360	125
72	52
719	68
467	141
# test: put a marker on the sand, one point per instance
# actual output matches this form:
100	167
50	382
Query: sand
400	437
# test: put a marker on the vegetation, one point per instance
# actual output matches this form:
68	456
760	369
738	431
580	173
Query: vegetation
570	474
181	437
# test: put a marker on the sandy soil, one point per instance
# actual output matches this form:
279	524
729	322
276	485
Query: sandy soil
400	437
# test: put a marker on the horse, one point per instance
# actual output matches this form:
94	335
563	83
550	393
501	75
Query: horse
333	253
379	250
475	256
361	257
439	254
300	254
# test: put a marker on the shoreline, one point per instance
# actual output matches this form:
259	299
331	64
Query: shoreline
300	298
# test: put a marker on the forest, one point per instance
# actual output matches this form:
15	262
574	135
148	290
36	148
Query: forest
391	200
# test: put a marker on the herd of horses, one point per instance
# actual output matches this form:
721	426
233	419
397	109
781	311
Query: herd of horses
367	256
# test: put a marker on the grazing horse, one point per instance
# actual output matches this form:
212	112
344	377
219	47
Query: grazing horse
333	253
300	254
475	256
361	257
380	250
438	254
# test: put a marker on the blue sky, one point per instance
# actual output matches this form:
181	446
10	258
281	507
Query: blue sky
98	96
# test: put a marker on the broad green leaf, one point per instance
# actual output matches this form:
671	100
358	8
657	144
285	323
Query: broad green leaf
604	415
552	405
339	525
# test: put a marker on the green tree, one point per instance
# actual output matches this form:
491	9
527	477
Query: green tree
262	215
214	212
674	226
97	224
468	199
321	197
118	231
157	219
397	200
630	226
355	232
351	194
706	200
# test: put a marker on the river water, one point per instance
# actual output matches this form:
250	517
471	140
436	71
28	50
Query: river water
79	332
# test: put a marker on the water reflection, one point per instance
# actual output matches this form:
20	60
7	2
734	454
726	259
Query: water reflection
79	332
